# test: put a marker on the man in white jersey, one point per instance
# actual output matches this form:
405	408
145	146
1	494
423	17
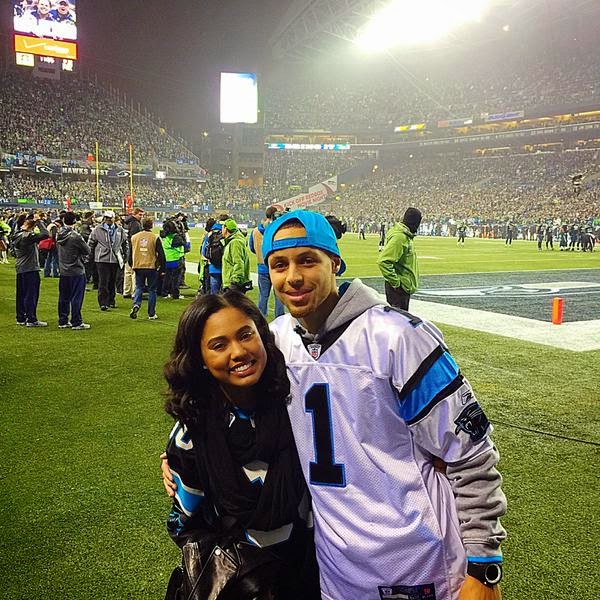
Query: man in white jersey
376	400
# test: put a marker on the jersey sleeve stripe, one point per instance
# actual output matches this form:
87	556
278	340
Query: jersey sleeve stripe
447	391
416	377
439	376
189	499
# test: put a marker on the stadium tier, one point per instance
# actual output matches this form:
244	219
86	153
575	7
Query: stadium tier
524	188
430	91
64	120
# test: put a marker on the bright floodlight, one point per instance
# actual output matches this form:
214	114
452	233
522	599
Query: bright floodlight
417	22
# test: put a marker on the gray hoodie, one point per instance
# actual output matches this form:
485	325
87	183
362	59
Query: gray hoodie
107	250
480	501
26	249
72	251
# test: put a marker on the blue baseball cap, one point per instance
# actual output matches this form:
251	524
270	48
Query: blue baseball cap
319	234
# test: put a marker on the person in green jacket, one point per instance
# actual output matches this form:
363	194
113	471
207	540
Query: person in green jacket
398	260
236	259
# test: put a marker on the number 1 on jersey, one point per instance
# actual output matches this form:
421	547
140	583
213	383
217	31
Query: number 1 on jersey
324	471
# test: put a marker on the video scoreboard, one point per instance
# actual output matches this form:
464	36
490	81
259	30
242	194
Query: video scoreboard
239	98
46	29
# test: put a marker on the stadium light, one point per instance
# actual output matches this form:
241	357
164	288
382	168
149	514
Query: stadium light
416	22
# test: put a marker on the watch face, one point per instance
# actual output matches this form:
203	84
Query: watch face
493	574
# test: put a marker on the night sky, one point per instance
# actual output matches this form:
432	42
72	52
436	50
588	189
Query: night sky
168	55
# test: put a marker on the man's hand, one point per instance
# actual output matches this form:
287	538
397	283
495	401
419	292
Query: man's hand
473	589
170	485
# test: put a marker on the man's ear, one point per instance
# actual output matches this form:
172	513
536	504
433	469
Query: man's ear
337	264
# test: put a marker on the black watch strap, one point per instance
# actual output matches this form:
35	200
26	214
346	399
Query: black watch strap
488	573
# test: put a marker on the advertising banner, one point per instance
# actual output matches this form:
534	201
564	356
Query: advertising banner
282	146
455	123
41	47
317	193
504	116
48	169
405	128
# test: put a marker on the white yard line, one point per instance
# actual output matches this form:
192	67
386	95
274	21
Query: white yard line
580	336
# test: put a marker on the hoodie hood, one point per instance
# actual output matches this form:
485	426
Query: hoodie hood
402	228
355	299
63	235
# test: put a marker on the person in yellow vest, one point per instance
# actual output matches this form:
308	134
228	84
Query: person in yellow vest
147	259
173	243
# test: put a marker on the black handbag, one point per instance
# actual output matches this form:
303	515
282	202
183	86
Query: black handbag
222	567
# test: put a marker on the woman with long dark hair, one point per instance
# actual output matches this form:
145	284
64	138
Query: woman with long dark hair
241	498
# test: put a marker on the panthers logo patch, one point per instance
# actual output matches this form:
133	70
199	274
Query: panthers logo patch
472	420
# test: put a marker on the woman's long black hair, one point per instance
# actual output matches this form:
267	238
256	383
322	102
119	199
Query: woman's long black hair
190	384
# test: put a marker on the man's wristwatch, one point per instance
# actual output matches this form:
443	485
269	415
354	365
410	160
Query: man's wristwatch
488	573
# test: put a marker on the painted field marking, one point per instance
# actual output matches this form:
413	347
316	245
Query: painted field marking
579	336
513	290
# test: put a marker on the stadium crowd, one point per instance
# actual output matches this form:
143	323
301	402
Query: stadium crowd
302	168
436	93
523	188
216	194
64	120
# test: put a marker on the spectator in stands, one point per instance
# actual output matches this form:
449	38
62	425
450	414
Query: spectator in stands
25	241
398	260
147	259
236	260
64	21
43	16
63	13
72	252
108	242
264	281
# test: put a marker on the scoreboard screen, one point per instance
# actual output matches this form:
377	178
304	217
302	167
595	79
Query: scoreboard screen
239	98
45	28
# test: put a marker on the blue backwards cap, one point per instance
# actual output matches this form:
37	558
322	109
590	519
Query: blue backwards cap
319	234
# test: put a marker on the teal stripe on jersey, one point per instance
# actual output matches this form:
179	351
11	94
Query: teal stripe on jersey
441	374
189	499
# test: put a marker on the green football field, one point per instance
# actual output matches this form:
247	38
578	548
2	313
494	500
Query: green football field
82	507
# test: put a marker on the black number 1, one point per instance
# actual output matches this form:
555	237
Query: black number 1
324	471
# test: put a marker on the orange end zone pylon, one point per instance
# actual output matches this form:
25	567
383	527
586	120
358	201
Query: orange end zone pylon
557	310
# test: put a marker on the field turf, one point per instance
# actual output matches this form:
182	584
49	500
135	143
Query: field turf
82	507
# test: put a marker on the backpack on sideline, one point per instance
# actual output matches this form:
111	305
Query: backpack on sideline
215	248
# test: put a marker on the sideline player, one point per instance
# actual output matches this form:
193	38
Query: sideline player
376	397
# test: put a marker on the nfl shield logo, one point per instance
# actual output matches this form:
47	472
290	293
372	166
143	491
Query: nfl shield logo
314	350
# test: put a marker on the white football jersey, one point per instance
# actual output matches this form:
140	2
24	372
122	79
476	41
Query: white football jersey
368	414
